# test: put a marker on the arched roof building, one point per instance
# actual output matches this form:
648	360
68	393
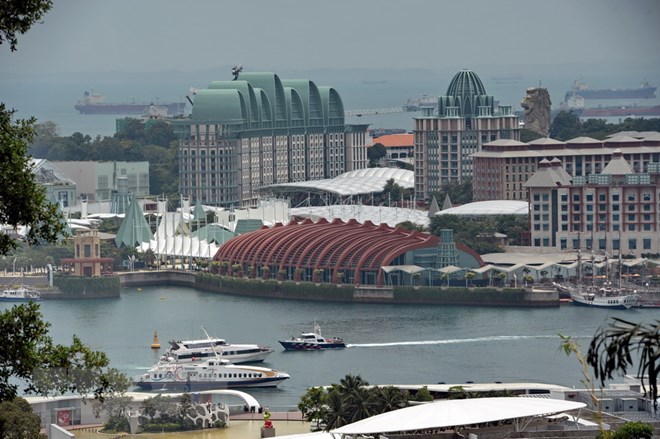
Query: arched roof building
320	250
260	129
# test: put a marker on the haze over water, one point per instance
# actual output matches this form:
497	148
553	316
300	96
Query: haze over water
387	344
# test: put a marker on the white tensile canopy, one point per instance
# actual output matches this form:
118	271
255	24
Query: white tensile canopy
457	413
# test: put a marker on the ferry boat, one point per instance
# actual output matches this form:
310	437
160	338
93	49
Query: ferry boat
188	351
20	294
310	341
207	375
601	299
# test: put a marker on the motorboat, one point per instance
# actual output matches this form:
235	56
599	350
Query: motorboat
207	375
193	350
310	341
20	294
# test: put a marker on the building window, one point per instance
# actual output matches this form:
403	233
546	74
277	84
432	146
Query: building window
615	244
632	244
562	243
646	243
602	244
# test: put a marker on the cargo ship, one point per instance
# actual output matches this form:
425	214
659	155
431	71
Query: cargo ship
644	91
423	101
94	103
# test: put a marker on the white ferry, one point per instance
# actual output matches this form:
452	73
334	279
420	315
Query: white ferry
20	294
188	351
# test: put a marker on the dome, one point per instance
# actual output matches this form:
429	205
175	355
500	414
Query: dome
465	84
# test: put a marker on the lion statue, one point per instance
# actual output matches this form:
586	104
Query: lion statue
537	110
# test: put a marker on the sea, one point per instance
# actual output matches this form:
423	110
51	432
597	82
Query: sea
386	344
52	97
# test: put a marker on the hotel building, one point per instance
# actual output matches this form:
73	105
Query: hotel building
445	139
615	210
260	130
502	167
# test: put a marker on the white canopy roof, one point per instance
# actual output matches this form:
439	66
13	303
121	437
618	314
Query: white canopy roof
459	412
490	207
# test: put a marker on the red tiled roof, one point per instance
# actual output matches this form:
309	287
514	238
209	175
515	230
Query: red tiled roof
392	140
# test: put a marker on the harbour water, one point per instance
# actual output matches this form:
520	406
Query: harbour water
387	344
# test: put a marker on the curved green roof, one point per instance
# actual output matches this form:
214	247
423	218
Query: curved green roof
465	83
248	93
271	84
311	98
219	105
333	107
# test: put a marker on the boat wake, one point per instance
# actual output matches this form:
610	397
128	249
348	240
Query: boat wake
462	340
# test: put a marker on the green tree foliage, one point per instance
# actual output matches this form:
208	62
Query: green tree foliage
565	126
479	233
349	401
18	16
629	430
28	354
18	421
613	347
409	225
527	135
460	192
22	200
376	152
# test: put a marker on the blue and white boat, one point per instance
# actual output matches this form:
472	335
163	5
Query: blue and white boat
207	375
312	341
20	294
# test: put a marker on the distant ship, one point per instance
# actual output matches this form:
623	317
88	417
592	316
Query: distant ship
94	103
417	104
644	91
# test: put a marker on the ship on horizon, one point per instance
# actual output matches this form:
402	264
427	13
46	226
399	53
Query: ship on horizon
583	90
94	103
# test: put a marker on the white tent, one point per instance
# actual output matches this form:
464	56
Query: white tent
460	412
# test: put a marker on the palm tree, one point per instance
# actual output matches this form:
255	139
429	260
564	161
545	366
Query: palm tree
359	404
389	398
612	348
352	382
336	410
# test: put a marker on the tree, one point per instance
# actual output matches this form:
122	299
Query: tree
565	126
409	225
17	420
22	200
374	153
459	192
28	354
17	16
612	349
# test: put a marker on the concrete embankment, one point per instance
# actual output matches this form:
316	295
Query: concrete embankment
519	297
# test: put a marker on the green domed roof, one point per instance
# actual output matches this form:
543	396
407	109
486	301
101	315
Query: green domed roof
466	83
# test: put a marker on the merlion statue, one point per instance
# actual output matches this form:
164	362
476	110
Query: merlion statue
537	110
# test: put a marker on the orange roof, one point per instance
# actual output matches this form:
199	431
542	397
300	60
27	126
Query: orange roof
391	140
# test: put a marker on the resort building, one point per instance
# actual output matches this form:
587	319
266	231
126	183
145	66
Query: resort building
615	211
261	130
466	118
97	181
398	147
60	188
502	167
342	252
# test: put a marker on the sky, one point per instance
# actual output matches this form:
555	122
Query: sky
82	36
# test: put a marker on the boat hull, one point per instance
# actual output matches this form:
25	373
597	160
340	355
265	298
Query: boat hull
192	386
173	109
615	302
305	346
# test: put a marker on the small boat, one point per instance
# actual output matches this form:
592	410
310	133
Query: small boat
207	375
188	351
20	294
311	341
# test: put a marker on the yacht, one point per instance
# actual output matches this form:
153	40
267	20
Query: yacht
193	350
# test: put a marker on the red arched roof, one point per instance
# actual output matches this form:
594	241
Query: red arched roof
331	246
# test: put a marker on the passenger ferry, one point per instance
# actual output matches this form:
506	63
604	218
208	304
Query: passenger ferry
20	294
193	350
311	341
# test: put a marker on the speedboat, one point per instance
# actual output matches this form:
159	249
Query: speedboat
203	349
206	375
20	294
310	341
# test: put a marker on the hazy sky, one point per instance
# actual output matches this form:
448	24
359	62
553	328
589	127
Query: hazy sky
152	35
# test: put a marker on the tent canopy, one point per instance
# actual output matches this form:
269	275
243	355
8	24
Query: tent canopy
456	413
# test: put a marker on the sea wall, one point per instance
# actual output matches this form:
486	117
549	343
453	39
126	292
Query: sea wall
343	292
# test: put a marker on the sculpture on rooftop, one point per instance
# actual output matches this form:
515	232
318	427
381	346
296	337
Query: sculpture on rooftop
537	110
